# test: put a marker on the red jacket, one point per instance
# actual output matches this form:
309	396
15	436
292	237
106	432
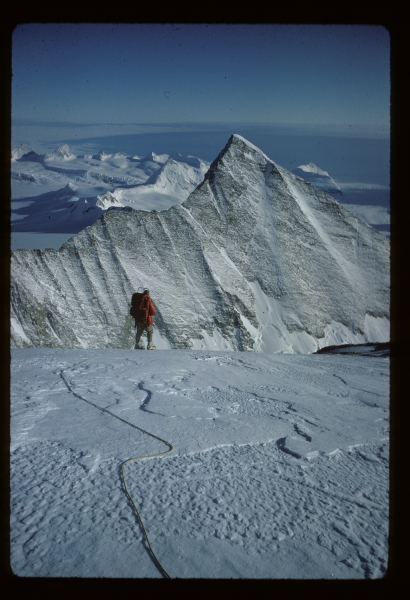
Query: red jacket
151	312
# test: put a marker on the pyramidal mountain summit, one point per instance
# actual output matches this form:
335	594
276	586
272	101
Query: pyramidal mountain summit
256	259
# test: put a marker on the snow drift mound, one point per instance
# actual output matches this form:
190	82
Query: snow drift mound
256	259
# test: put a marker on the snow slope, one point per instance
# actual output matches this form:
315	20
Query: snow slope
170	185
376	216
358	198
279	466
256	259
319	178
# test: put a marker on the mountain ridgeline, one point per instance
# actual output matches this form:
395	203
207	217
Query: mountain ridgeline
255	259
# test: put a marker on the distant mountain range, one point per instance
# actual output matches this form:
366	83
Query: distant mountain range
152	182
254	259
42	202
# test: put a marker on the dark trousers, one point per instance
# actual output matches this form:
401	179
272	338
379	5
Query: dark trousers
141	327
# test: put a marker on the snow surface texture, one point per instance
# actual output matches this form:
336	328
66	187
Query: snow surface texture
92	184
256	259
279	467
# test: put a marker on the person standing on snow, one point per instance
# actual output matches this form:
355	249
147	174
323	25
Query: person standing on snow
143	309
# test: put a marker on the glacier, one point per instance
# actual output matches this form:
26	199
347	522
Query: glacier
93	183
256	259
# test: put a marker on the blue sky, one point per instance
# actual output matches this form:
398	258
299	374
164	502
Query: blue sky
112	74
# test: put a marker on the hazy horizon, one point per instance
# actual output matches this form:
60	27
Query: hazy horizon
348	154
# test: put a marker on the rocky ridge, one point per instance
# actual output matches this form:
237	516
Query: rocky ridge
255	259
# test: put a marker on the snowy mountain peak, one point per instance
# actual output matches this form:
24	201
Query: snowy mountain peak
312	168
156	158
241	142
63	151
20	151
30	156
317	177
235	137
194	161
238	148
178	174
262	261
106	201
101	155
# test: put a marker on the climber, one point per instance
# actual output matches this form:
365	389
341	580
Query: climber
143	309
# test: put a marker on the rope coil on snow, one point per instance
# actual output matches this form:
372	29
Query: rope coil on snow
158	564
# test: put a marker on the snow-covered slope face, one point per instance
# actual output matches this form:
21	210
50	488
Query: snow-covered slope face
20	151
154	182
63	152
317	177
169	185
179	173
357	198
63	211
256	259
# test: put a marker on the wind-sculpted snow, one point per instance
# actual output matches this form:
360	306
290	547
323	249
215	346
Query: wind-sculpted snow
279	466
256	259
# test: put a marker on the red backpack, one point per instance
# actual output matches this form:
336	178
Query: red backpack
139	307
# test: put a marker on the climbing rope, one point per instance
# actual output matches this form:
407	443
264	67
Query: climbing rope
129	460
